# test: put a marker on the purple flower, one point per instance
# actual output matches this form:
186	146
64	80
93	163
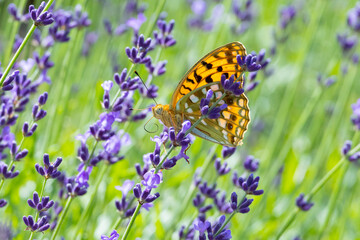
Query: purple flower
40	226
346	147
152	179
245	13
250	185
201	227
3	203
74	188
157	69
40	205
221	169
90	39
243	207
355	118
248	62
150	92
6	173
208	191
135	23
347	42
287	14
113	236
204	106
303	204
251	164
137	54
227	151
40	17
83	176
223	204
353	18
101	130
81	19
355	157
164	37
50	169
13	11
225	233
231	85
126	187
144	196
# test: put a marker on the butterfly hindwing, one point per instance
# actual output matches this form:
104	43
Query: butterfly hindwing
229	128
210	69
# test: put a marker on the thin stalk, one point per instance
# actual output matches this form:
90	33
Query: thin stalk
85	215
117	223
131	223
288	222
154	17
37	212
91	154
230	217
17	53
315	189
61	219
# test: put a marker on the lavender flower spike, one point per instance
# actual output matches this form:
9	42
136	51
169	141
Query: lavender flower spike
303	204
231	85
39	17
248	62
204	107
250	185
50	169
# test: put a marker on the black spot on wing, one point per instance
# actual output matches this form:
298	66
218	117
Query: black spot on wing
190	80
197	77
208	79
219	69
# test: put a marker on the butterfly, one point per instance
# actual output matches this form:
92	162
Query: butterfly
229	128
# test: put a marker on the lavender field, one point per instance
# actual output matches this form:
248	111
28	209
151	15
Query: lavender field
83	154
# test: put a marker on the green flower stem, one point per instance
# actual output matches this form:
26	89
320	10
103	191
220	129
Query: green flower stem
229	218
13	30
117	223
131	223
333	200
154	17
61	219
335	194
315	189
17	53
86	213
37	212
190	193
288	222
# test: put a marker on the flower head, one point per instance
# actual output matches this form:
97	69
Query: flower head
40	17
303	204
250	185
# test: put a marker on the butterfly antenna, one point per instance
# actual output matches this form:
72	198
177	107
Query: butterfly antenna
145	86
157	126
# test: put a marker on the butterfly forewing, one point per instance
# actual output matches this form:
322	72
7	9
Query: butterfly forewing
209	69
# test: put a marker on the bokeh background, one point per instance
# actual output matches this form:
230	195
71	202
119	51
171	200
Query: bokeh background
300	115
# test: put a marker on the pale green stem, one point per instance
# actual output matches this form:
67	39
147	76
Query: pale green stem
315	189
62	217
131	223
230	217
117	223
37	212
85	214
17	53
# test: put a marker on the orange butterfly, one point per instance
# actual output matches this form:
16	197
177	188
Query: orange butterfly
206	74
